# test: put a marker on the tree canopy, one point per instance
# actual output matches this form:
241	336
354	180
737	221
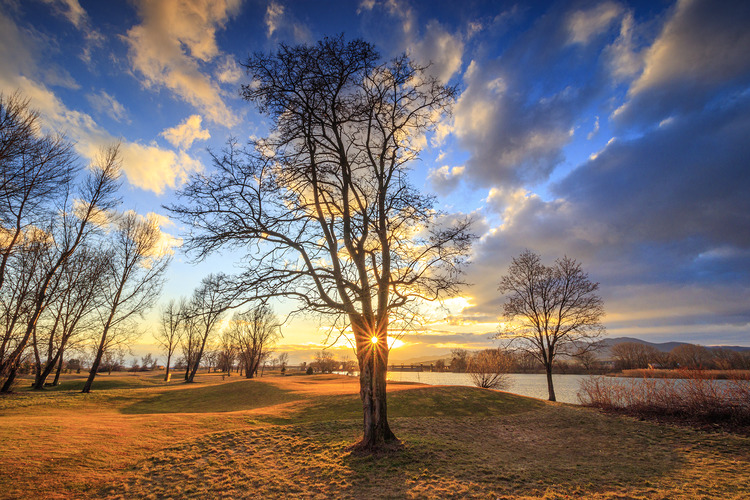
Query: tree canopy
323	207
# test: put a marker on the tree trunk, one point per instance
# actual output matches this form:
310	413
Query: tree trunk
59	369
98	358
48	367
12	370
197	364
550	387
373	359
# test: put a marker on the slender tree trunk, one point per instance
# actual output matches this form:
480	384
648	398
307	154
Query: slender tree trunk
37	360
550	387
48	367
198	358
59	368
97	359
169	359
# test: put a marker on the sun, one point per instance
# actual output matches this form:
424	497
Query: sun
374	340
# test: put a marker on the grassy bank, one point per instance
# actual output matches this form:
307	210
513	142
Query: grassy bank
289	437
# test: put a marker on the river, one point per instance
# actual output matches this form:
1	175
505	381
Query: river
525	384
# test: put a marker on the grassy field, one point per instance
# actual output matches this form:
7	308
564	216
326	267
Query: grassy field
136	437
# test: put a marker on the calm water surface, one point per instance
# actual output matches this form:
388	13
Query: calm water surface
525	384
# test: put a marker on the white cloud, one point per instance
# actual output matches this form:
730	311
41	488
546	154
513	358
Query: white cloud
624	60
583	25
440	48
709	48
77	16
106	104
273	18
228	71
365	5
146	166
72	11
172	40
594	130
511	140
183	135
282	24
445	179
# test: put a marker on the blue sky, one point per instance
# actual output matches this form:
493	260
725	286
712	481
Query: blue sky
613	132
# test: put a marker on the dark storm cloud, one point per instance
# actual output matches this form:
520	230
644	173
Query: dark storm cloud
702	50
686	179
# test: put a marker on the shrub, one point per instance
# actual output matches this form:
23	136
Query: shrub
694	398
489	369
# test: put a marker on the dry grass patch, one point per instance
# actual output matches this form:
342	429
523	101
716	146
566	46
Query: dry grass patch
290	437
550	452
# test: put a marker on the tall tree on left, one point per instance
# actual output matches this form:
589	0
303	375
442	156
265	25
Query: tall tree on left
37	186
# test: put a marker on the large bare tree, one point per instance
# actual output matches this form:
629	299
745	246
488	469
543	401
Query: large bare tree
323	205
70	313
133	278
550	310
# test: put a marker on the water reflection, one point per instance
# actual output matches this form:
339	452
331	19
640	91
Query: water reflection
525	384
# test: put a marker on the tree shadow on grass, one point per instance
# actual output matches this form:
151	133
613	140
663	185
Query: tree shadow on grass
555	451
232	396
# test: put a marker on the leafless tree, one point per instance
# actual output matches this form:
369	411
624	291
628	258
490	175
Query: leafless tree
70	313
190	339
489	369
254	332
324	362
25	268
549	310
208	305
459	360
226	351
36	171
78	218
170	330
323	205
691	356
628	355
587	358
283	359
726	359
133	279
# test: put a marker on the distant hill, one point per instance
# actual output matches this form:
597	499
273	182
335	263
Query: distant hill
604	352
425	360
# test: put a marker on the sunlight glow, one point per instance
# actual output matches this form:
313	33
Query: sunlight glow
374	340
396	343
